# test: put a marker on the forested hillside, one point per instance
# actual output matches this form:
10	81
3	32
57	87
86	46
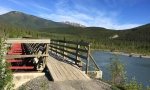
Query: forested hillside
28	21
17	24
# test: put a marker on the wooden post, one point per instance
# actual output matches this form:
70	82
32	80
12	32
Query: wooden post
50	46
55	50
64	49
46	52
77	53
88	58
57	47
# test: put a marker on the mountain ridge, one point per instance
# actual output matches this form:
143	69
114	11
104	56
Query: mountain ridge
38	22
17	24
26	20
16	18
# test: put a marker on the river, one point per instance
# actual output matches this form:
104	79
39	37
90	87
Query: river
138	68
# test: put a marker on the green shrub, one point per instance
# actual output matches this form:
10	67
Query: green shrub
133	85
148	88
119	78
5	73
117	70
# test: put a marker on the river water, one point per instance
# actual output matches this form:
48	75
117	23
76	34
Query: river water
138	68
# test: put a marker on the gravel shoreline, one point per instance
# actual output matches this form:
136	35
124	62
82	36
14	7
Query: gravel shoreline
42	83
131	54
125	54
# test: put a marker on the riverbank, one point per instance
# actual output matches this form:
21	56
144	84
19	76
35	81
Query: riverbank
124	53
131	54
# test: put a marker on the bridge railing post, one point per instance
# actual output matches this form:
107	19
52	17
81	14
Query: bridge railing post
57	47
50	46
47	52
77	53
77	56
88	59
64	49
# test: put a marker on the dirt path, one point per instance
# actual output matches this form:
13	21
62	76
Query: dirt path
42	83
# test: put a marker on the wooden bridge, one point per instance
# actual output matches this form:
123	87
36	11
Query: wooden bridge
65	60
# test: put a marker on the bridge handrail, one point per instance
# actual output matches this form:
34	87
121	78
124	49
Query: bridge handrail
72	42
75	49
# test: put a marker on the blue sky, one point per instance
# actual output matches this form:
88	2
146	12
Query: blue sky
112	14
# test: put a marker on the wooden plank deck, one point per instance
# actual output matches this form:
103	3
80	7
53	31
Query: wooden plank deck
61	71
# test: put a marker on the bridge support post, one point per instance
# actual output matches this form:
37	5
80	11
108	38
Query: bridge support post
46	52
64	49
88	58
77	52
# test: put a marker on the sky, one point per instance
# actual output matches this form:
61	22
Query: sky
110	14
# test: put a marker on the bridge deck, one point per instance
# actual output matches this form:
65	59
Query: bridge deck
61	71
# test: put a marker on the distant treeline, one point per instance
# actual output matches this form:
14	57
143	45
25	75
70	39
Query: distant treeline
132	41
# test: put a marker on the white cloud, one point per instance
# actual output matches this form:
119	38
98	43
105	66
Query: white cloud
18	3
100	20
79	14
62	18
40	7
4	10
125	26
95	18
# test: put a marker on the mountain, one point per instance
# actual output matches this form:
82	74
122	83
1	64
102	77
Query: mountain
17	24
140	34
28	21
19	19
22	20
